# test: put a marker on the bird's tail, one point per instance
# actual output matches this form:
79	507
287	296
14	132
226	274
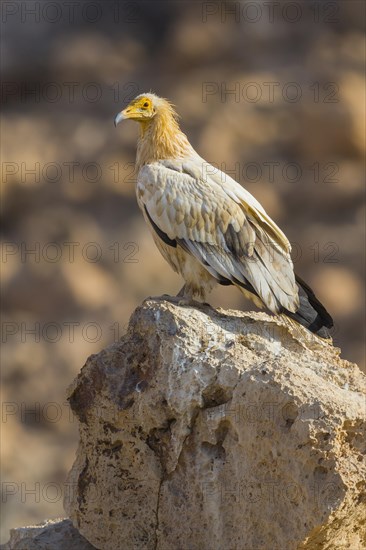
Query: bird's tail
311	313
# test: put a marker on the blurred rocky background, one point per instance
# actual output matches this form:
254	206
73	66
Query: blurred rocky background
272	93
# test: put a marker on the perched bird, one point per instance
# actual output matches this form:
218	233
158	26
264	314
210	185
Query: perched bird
208	227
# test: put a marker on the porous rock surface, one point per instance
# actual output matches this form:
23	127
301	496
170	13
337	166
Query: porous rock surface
58	534
218	430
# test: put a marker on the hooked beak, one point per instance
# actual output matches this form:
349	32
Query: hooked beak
119	117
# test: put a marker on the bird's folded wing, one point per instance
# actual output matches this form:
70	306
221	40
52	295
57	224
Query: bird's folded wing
213	218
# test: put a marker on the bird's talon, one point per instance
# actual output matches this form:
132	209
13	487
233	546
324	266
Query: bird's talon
187	302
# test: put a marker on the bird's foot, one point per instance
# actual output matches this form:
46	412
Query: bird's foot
184	298
160	297
187	301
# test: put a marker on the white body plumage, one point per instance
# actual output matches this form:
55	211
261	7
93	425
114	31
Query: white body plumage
210	229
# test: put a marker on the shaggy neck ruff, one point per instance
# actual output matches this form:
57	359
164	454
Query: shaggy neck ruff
161	139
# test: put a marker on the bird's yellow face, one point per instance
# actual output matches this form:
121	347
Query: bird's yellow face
141	109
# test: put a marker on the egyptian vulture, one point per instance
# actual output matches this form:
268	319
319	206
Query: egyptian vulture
208	227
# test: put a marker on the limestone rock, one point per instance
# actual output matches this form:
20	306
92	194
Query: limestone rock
218	430
59	534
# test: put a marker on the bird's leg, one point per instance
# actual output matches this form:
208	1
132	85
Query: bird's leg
185	296
182	292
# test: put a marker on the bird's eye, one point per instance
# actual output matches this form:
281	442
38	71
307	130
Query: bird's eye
146	104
